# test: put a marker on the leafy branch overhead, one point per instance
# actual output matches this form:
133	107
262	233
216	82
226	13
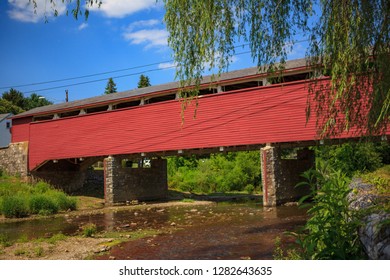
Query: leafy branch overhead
349	41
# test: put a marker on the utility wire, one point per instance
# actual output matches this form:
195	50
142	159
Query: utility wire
114	71
97	74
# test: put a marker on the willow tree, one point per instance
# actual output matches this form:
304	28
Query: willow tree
348	41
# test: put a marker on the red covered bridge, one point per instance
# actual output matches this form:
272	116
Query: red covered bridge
239	111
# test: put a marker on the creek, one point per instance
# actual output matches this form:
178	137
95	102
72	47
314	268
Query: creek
189	231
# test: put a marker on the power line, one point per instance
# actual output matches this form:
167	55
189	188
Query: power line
97	74
114	71
99	80
86	76
104	79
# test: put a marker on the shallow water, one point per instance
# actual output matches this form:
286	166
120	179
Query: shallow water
213	231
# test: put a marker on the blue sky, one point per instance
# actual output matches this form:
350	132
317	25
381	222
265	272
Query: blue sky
122	34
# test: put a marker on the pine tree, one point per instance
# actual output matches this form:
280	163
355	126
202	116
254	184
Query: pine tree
143	81
111	87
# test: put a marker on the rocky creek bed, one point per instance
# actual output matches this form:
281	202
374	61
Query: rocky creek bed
174	230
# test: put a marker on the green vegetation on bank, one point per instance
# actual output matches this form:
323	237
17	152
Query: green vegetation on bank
19	199
353	158
240	171
235	171
331	231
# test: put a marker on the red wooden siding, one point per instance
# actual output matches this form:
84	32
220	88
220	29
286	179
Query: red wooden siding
256	116
21	129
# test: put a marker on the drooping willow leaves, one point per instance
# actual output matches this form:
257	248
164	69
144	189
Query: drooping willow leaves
349	43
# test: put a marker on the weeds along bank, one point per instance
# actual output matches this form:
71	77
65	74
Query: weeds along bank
235	171
19	199
348	219
241	171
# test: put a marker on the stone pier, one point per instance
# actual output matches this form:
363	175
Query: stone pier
122	184
14	159
280	176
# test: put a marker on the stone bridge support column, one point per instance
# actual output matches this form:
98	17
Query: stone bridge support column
14	159
122	184
280	176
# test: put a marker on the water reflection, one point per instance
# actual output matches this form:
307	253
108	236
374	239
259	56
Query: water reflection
222	215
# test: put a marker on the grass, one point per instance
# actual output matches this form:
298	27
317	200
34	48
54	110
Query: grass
19	199
53	239
89	230
38	251
121	236
380	179
20	252
188	200
4	240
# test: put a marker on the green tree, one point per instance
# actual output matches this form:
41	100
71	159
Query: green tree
143	81
350	39
111	87
36	101
15	97
8	107
14	102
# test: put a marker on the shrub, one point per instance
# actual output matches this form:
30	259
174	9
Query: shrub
43	205
4	240
41	187
218	173
63	201
89	230
249	189
351	157
331	231
14	206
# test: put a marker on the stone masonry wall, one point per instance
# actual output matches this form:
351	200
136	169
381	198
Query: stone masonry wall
125	183
291	170
14	159
279	176
62	175
67	181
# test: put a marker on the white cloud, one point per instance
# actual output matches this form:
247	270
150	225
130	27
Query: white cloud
298	51
143	24
23	10
150	33
122	8
167	65
234	59
83	26
150	37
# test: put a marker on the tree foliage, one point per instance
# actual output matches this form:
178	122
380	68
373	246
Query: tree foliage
143	81
239	171
13	101
110	87
8	107
350	158
350	39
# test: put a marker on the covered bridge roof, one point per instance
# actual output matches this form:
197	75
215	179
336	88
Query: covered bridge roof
150	91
